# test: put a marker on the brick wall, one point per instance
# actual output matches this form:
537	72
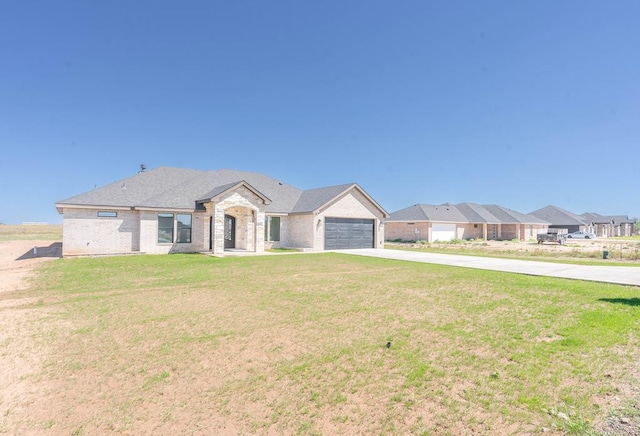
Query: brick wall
83	232
149	234
407	231
299	231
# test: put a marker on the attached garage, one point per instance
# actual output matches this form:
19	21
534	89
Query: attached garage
345	233
443	232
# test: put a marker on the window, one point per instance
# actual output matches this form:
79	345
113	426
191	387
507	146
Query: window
272	228
184	228
107	214
165	228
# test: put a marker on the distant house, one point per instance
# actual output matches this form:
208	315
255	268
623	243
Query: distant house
607	226
445	222
559	218
603	226
168	210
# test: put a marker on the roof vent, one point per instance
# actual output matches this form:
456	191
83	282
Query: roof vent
143	167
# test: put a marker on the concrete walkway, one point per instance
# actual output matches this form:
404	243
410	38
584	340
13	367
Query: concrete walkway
624	275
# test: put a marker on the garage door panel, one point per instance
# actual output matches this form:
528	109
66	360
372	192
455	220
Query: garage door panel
345	233
443	232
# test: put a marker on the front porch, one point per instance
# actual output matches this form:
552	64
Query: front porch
235	220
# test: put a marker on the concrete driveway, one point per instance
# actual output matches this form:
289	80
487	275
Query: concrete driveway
624	275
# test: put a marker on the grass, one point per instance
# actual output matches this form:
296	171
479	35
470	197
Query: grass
298	344
627	238
618	256
31	232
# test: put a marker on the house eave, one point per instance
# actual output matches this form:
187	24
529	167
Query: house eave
61	206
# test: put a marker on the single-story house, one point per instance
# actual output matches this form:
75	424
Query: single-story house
169	210
445	222
607	226
603	226
559	218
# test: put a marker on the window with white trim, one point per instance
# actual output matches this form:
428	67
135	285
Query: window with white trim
272	228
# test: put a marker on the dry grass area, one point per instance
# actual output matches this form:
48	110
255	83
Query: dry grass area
189	344
575	250
31	232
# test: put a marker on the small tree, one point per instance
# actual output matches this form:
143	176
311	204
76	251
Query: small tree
636	226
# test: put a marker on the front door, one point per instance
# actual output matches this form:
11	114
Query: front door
229	232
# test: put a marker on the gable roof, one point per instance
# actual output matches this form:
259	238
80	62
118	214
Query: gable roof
230	187
509	215
463	213
428	212
558	216
313	200
477	214
178	188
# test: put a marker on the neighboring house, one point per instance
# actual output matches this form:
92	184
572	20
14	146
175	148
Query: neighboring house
445	222
559	218
607	226
603	226
169	210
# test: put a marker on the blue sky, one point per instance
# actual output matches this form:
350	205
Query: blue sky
522	104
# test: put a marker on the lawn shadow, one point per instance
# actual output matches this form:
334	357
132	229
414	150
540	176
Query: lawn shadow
627	301
53	250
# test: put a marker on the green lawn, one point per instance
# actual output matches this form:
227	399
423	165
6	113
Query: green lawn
297	344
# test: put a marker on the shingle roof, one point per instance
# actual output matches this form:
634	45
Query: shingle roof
619	219
596	218
509	215
558	216
463	213
314	199
477	214
428	212
177	188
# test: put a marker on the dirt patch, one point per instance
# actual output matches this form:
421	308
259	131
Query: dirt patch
18	358
19	258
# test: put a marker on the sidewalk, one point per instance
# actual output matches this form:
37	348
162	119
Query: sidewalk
624	275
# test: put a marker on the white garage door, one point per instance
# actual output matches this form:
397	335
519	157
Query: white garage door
443	232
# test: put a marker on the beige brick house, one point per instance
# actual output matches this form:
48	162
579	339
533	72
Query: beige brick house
446	222
170	210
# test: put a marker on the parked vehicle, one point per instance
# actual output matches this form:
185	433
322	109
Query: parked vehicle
558	236
581	235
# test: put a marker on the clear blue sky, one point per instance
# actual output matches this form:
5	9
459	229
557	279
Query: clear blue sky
517	103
